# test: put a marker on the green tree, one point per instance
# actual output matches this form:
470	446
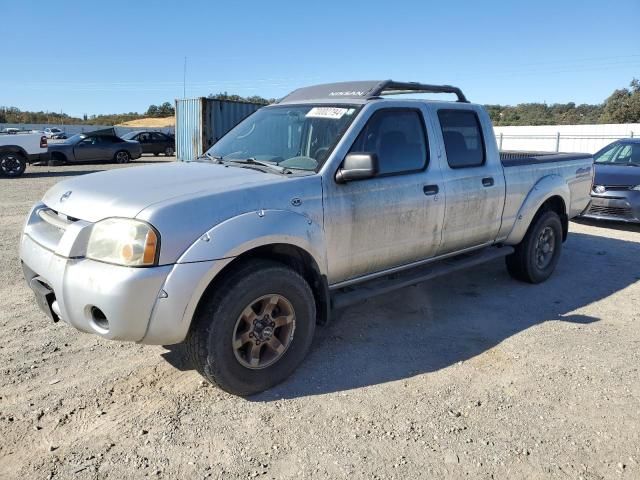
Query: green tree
166	110
152	111
237	98
623	106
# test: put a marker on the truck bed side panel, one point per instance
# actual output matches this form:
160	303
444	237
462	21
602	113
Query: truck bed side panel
522	175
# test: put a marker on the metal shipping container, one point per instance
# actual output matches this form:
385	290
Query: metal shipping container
200	122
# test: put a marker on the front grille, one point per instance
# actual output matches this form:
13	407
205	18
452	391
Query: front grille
617	188
619	212
47	227
55	219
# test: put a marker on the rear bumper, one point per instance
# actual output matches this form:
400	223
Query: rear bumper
39	157
621	207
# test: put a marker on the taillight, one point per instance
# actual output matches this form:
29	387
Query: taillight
43	142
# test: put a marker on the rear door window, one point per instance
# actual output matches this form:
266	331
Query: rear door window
463	140
399	139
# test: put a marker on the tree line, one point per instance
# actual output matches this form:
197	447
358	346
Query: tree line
622	106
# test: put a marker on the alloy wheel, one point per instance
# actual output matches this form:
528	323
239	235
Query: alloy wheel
263	332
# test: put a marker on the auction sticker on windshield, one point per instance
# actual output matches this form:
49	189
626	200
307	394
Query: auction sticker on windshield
334	113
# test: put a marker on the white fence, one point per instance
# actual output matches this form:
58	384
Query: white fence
563	138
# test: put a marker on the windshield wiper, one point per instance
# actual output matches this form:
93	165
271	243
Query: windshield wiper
213	158
253	161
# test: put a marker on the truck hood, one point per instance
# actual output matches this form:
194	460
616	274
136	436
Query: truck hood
616	175
127	191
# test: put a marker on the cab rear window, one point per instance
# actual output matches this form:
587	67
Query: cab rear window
463	141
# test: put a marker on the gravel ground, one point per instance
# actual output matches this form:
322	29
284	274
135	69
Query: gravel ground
470	376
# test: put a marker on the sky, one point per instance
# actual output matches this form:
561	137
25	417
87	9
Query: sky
121	56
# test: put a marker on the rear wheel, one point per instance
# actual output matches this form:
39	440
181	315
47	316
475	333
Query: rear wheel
169	151
122	157
537	255
255	328
12	164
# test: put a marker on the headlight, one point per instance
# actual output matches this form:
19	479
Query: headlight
122	241
636	188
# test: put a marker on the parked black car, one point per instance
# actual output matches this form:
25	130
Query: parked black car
153	142
94	146
616	186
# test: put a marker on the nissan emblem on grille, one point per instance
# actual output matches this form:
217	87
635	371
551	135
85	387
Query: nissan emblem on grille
65	195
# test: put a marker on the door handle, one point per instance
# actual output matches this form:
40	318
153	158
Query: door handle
487	182
430	189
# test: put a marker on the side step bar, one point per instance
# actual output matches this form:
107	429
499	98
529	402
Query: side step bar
343	297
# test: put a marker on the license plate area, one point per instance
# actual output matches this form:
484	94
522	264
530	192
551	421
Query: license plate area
44	297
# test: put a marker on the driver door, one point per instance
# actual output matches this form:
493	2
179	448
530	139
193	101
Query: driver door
86	150
394	218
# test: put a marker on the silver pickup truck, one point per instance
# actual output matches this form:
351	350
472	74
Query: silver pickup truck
336	193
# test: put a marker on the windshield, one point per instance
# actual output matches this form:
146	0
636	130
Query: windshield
75	138
129	136
619	154
296	137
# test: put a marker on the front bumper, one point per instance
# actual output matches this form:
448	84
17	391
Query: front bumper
620	206
151	305
126	296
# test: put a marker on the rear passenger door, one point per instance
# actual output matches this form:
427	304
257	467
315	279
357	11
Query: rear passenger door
473	180
394	218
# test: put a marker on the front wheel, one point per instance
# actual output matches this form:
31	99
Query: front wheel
12	164
254	330
536	257
122	157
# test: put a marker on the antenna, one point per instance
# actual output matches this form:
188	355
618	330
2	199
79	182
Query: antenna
184	79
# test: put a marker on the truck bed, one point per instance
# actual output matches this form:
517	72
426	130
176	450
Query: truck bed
524	170
514	159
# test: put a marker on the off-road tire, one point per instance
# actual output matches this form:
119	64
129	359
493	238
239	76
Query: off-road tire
209	343
522	264
12	164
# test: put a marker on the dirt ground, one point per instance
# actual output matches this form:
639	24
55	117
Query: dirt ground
473	375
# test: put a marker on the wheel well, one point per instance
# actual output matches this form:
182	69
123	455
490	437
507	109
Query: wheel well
14	149
294	257
58	156
556	204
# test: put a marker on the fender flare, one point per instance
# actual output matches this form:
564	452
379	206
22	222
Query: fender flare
547	187
250	230
210	254
15	149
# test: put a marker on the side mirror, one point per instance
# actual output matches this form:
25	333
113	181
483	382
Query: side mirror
358	166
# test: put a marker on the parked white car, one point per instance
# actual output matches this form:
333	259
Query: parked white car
52	132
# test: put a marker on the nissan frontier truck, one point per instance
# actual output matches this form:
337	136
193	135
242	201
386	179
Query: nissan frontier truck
335	193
